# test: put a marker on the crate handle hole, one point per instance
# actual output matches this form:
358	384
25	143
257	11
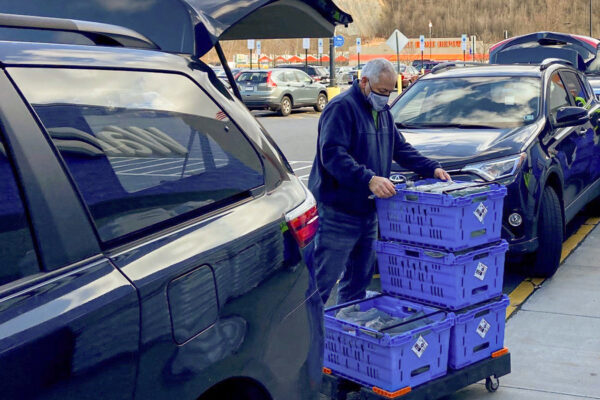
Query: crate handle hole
420	371
411	253
481	347
479	290
478	233
482	313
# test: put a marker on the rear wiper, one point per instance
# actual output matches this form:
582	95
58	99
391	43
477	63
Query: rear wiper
462	126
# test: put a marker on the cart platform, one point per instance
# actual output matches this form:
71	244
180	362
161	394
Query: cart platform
489	369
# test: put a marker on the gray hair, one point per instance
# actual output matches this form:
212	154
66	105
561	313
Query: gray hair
377	67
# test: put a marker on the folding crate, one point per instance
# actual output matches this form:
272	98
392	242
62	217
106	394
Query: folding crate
385	361
478	332
442	279
441	220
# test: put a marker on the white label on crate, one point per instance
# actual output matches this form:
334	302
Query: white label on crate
480	212
480	271
483	328
420	346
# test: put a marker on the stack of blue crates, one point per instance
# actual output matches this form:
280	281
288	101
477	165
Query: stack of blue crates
438	250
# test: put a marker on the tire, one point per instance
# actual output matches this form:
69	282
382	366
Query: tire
321	102
546	260
492	384
285	108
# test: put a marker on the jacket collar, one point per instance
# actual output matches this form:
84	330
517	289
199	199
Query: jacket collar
358	94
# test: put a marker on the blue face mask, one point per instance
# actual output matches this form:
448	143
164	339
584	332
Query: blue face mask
378	101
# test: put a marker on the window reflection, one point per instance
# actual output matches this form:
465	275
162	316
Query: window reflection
143	148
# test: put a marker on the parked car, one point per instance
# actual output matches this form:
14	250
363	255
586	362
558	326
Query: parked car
280	89
580	51
342	74
409	75
533	128
317	73
418	63
151	232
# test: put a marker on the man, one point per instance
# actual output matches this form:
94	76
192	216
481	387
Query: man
356	143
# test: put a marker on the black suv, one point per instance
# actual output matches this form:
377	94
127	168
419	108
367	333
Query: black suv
531	128
151	232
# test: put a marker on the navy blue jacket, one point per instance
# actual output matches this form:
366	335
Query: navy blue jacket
351	150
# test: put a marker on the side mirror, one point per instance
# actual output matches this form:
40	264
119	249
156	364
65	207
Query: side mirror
570	116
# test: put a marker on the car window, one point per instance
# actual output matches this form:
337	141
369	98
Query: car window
302	77
494	101
558	96
17	252
575	89
145	149
280	76
252	77
290	76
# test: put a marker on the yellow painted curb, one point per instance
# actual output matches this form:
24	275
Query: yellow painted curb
332	92
593	221
529	285
571	243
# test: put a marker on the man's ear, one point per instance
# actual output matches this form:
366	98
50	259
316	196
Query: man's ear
363	82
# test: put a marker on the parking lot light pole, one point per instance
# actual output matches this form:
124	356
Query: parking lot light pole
430	42
591	18
331	63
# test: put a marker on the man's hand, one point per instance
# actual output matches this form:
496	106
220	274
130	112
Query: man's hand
439	173
382	187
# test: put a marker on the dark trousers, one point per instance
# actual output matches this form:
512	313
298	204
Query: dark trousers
344	246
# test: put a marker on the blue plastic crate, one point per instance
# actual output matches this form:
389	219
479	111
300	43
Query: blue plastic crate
478	332
377	359
447	280
442	220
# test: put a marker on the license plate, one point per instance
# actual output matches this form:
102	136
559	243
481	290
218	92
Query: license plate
249	88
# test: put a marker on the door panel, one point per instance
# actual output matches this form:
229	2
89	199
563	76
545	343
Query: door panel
572	146
305	88
73	336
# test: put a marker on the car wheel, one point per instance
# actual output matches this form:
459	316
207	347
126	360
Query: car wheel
286	106
546	260
321	102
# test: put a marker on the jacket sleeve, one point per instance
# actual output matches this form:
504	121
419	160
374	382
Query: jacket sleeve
336	127
409	158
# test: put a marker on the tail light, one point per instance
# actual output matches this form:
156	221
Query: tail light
317	78
303	221
270	82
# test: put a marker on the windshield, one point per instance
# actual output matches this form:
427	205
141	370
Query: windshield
495	102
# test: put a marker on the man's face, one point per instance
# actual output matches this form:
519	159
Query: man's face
384	86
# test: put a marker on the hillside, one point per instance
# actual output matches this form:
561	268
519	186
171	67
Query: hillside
487	19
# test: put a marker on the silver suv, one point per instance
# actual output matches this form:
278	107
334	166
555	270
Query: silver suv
280	90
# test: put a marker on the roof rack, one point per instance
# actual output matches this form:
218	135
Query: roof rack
100	34
455	64
551	61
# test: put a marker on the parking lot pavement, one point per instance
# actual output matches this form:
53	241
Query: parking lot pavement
302	169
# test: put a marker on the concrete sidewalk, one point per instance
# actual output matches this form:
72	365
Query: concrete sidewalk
554	339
